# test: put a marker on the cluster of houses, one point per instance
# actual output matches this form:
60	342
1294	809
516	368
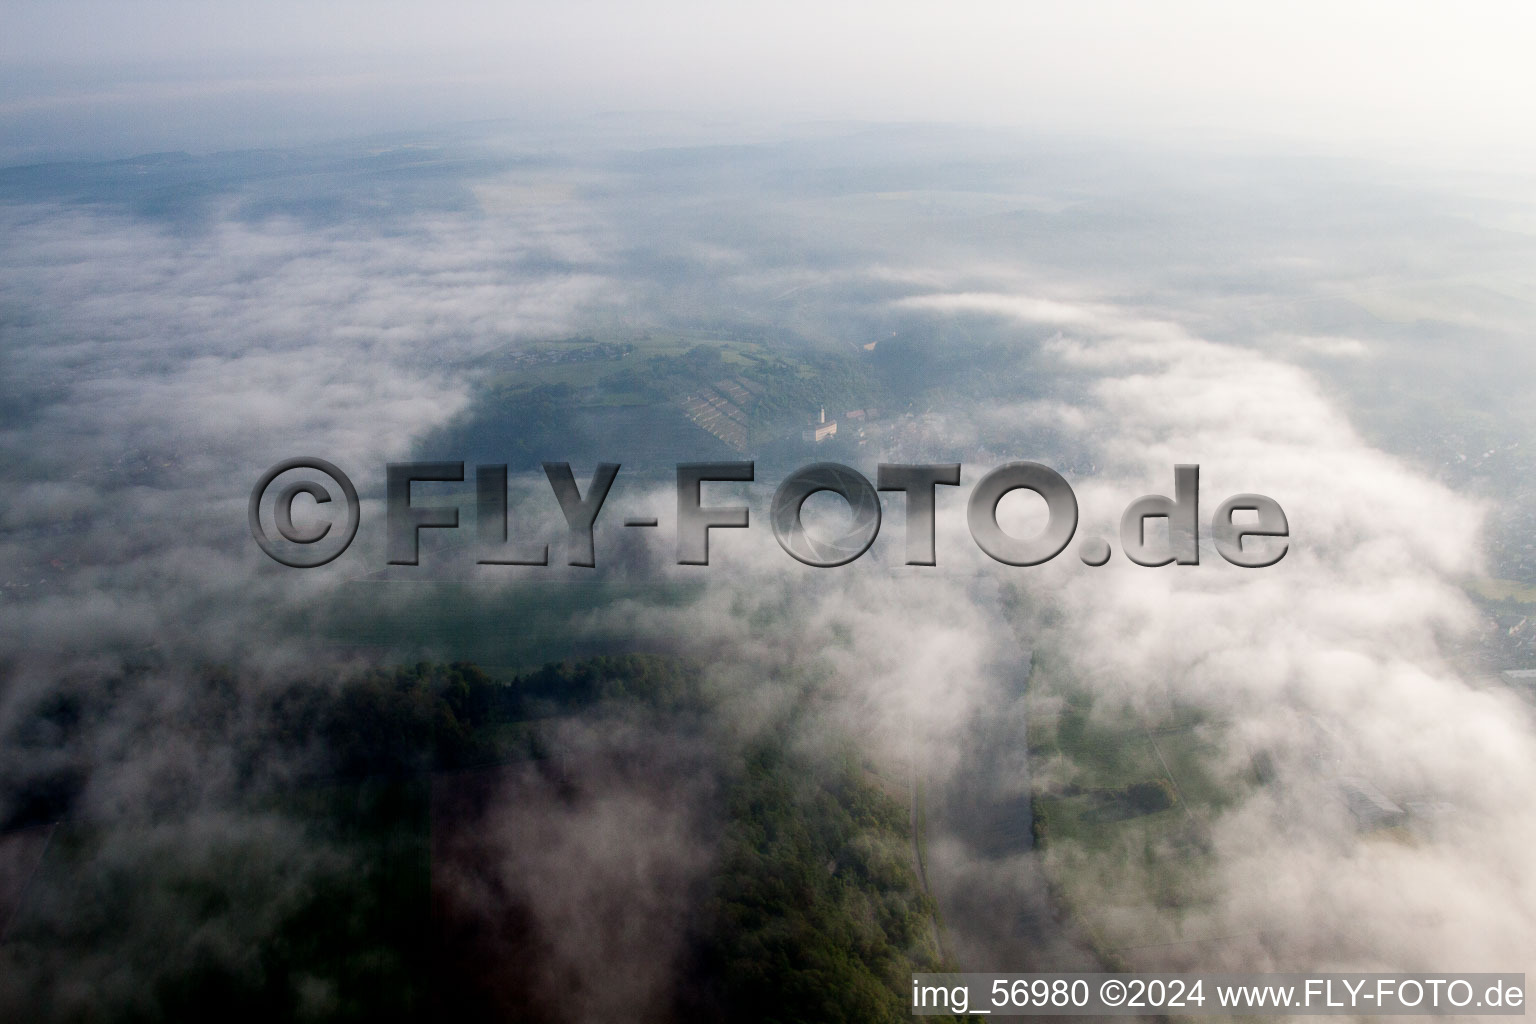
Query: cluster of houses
820	428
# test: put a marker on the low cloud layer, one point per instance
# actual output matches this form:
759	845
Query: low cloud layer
1344	662
153	369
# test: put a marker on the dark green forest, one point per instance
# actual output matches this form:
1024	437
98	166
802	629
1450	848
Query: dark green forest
307	889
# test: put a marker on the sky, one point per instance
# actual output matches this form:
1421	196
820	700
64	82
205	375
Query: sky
1421	82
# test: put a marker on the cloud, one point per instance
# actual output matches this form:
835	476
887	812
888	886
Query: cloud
156	370
1338	662
161	371
570	890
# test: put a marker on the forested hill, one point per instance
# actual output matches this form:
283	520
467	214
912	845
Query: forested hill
429	842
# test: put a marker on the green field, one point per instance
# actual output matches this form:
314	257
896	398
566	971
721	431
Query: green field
1491	589
1122	804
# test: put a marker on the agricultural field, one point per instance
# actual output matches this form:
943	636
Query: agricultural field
1121	809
